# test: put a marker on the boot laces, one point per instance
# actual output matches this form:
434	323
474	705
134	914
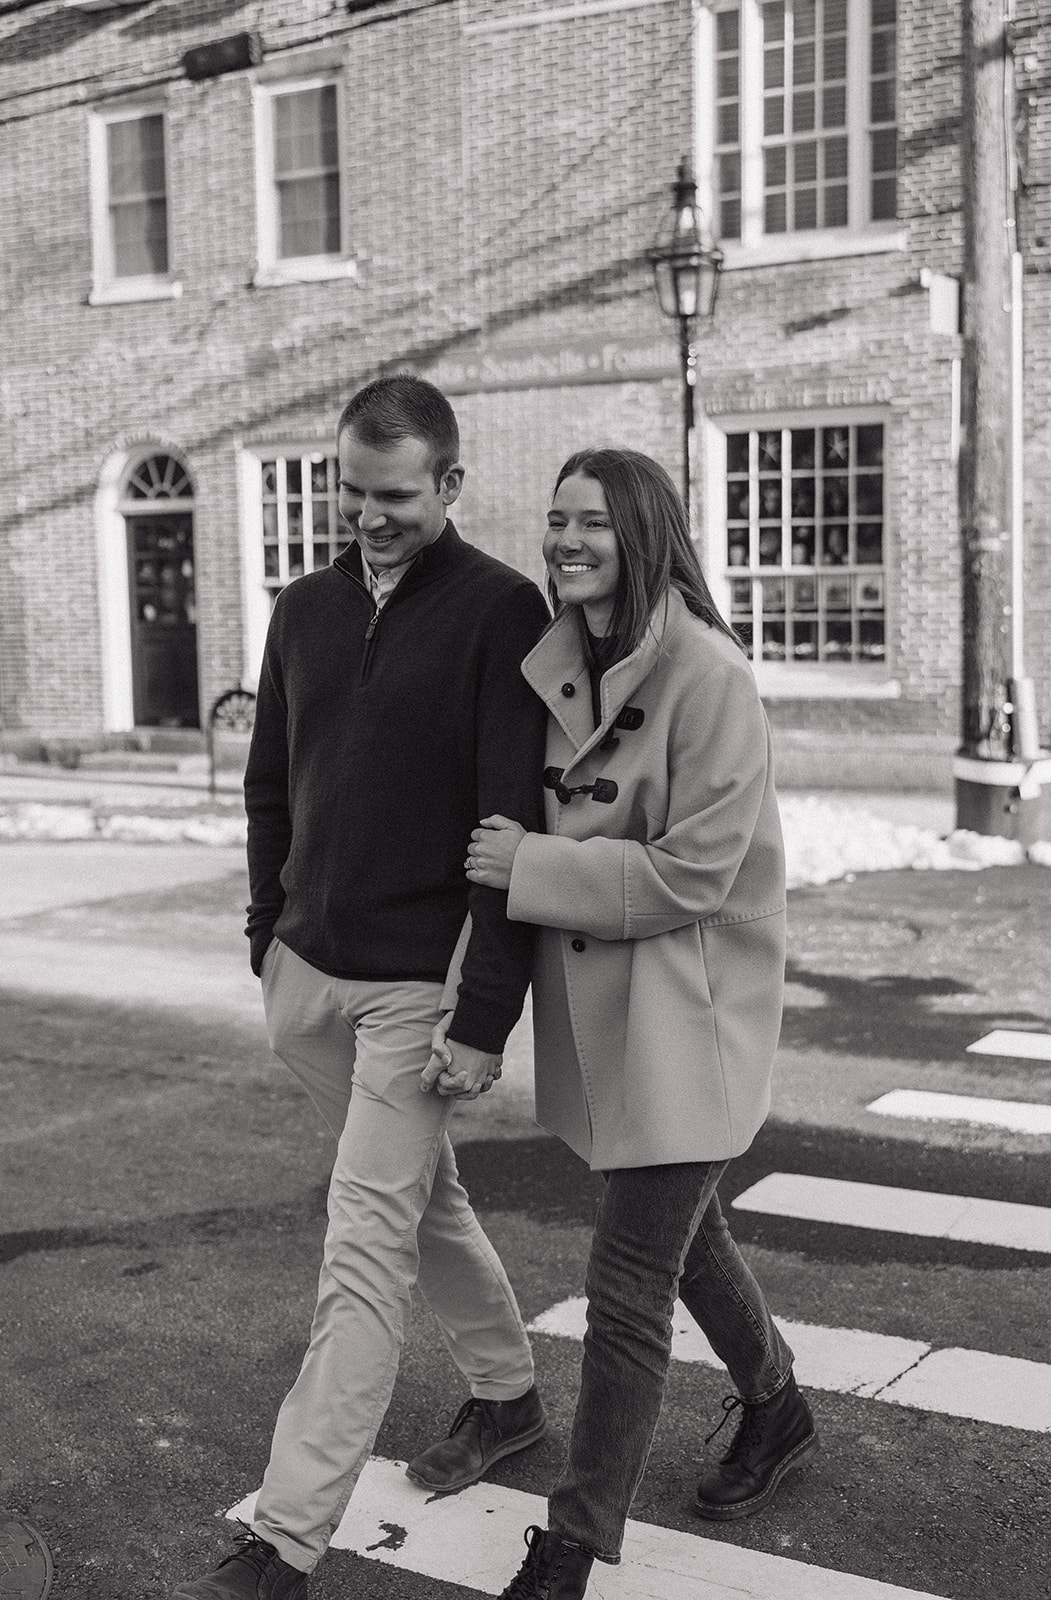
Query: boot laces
472	1410
251	1549
749	1427
525	1585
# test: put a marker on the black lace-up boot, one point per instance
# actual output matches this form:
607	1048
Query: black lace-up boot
254	1571
483	1431
553	1569
773	1438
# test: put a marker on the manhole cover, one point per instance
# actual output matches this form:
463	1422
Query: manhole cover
25	1560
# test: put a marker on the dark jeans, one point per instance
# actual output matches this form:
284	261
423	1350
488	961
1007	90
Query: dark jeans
660	1233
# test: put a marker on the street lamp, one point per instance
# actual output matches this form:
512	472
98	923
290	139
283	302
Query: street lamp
686	278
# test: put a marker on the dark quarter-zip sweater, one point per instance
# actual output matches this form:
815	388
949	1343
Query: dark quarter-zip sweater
381	738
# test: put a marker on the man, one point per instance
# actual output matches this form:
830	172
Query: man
392	714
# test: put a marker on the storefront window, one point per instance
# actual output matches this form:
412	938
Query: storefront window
805	542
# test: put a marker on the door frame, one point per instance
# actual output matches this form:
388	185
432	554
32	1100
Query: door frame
114	576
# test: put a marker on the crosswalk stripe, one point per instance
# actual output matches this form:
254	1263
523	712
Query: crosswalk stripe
1020	1116
892	1210
875	1366
1009	1042
475	1538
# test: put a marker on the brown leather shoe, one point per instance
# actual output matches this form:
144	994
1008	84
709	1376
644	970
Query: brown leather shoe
553	1569
483	1431
773	1438
255	1571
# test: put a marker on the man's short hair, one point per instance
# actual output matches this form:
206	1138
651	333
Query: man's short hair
389	410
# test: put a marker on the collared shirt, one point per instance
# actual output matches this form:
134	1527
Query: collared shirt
383	583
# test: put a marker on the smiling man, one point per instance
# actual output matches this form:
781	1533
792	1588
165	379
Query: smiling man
392	713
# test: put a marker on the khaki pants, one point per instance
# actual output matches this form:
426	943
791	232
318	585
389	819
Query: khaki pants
398	1215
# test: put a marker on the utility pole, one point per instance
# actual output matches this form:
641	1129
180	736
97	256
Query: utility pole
996	780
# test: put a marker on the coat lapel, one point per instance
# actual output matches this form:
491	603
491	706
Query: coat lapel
558	659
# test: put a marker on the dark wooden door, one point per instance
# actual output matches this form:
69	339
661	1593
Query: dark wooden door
163	620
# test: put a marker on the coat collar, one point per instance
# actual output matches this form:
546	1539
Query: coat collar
558	659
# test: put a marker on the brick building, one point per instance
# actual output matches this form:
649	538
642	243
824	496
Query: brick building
218	217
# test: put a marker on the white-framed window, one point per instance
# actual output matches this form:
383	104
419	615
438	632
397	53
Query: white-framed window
804	542
300	180
299	516
129	198
802	124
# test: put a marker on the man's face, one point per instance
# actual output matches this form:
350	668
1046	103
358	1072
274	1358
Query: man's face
389	500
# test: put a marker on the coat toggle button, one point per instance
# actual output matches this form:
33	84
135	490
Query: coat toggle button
578	945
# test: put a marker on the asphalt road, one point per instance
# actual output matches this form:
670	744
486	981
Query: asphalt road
163	1199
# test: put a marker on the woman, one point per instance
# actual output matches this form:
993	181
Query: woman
657	993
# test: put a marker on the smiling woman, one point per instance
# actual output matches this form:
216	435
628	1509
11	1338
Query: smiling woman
580	549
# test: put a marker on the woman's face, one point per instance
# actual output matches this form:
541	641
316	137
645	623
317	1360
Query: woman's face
580	548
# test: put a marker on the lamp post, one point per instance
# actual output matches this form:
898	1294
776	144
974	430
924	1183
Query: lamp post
686	277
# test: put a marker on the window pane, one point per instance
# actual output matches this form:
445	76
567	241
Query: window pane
834	106
773	115
835	158
884	199
775	167
139	233
883	52
883	100
804	63
836	207
737	452
775	215
309	213
884	11
294	477
774	20
802	448
803	545
727	77
869	543
136	157
730	219
728	123
805	208
835	58
737	495
885	150
869	444
805	162
305	137
727	30
804	111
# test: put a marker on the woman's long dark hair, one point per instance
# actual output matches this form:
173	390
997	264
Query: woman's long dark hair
653	542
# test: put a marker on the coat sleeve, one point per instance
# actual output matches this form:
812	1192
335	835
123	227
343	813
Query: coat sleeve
266	802
719	757
510	723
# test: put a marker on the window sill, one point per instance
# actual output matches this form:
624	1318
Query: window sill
303	269
782	249
777	681
126	291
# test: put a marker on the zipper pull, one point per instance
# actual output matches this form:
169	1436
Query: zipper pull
371	629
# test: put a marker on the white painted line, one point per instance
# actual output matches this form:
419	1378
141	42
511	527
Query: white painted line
891	1210
1021	1116
986	1388
475	1539
1008	1042
842	1360
973	1383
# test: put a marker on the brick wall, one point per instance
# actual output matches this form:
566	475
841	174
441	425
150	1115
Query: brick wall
503	183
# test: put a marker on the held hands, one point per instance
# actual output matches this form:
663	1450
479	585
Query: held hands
491	853
458	1071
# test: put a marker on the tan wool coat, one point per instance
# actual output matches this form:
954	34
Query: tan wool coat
658	982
